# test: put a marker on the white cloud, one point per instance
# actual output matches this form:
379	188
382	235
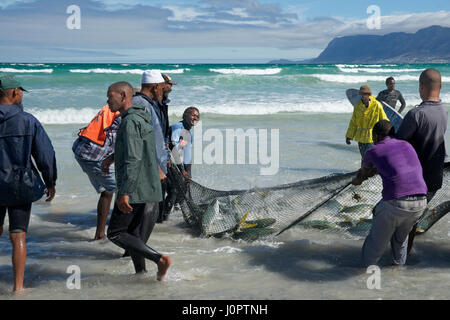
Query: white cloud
183	14
240	12
196	27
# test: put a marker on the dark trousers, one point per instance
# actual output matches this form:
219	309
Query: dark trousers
173	194
162	204
129	230
19	217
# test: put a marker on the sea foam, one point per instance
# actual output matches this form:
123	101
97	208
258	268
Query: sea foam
26	70
124	71
85	115
253	72
63	116
344	78
377	70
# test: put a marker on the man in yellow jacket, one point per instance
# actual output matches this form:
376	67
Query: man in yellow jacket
366	114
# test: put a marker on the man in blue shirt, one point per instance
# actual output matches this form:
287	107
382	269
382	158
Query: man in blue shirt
181	147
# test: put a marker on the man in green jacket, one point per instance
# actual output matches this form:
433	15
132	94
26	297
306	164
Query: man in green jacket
137	178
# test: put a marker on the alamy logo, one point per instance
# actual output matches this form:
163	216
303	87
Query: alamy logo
74	20
374	281
374	21
74	280
211	147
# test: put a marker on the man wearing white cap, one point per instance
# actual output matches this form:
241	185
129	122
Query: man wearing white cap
150	97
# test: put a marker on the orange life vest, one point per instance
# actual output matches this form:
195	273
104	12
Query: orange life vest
96	130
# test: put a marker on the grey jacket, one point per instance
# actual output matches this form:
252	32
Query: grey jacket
162	152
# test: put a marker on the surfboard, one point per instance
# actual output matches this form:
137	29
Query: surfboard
394	117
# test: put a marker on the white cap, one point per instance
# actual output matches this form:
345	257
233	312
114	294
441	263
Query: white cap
152	76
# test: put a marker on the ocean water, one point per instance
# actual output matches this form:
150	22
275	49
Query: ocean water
305	103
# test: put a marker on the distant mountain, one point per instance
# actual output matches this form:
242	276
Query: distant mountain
285	61
429	45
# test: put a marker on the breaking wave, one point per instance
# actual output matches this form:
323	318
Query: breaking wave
26	70
124	71
377	70
345	78
253	72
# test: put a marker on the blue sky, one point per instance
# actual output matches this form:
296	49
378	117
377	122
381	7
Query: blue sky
197	30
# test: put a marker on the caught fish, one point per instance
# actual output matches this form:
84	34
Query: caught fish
333	205
347	223
245	225
216	220
319	224
363	207
253	234
361	226
262	223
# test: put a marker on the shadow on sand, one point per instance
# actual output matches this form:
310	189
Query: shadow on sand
303	260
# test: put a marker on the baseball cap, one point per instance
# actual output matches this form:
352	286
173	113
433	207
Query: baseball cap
152	76
168	79
9	82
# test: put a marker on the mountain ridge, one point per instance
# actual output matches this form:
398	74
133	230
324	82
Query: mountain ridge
428	45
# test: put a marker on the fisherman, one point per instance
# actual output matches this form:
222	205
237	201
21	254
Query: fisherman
391	96
403	196
95	143
424	127
22	138
151	97
138	180
164	106
366	113
167	89
181	143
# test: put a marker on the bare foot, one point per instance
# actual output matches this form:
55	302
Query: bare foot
21	292
163	265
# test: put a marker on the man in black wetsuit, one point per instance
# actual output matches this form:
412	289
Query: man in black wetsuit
138	180
391	96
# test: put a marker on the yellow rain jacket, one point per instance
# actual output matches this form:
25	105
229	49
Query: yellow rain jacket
363	120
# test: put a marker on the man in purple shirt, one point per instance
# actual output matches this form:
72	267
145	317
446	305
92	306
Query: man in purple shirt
404	194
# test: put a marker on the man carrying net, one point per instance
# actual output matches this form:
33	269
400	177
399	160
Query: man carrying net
404	194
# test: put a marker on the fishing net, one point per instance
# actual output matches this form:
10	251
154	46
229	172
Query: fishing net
328	204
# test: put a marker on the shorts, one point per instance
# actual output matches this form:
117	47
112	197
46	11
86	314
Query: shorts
19	217
99	180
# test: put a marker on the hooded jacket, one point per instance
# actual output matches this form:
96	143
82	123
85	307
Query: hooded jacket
21	138
363	120
135	157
